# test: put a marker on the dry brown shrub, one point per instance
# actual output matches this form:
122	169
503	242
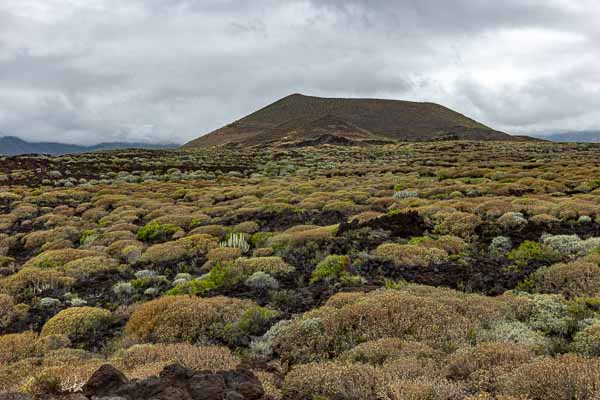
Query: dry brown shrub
563	377
424	389
184	318
575	279
17	346
137	361
332	380
380	350
341	299
411	255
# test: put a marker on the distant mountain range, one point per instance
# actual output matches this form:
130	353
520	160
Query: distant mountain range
579	136
299	120
11	146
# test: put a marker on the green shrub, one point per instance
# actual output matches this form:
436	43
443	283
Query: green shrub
587	341
230	274
530	251
154	231
222	275
79	324
549	313
87	237
253	322
332	268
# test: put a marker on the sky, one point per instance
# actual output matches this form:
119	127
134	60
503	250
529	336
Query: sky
87	71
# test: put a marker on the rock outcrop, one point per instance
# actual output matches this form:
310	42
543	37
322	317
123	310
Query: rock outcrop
175	382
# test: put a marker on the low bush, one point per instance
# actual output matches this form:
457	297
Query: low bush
411	255
246	227
185	318
11	313
457	223
155	231
37	239
425	389
483	363
261	280
341	299
570	245
17	346
187	247
83	325
30	282
378	351
224	254
57	258
143	360
333	268
549	314
587	341
450	244
326	331
575	279
563	377
530	251
330	380
299	238
231	274
83	268
272	265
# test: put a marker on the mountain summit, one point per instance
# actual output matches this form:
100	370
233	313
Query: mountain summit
306	119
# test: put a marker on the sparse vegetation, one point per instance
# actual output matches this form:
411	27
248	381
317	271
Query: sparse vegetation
446	270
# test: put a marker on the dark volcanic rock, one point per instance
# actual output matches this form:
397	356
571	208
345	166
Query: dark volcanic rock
14	396
104	381
175	382
402	225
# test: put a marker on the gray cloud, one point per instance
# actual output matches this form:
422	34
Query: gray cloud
170	70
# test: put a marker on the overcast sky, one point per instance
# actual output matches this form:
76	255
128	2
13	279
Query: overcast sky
85	71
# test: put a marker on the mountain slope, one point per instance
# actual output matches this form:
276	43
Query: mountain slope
299	117
11	146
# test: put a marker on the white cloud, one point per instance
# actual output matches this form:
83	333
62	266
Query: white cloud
96	70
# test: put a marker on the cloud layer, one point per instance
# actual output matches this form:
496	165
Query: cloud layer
86	71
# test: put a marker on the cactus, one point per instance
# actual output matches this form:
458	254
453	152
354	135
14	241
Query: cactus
236	240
